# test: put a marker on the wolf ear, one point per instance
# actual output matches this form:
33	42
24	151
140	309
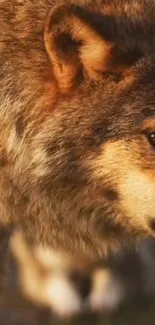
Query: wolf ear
74	43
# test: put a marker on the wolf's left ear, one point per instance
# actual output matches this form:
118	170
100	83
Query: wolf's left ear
75	43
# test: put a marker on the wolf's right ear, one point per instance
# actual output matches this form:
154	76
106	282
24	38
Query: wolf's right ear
75	43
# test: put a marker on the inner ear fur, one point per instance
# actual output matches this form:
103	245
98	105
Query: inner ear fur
73	44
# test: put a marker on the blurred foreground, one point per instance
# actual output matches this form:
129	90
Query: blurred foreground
44	288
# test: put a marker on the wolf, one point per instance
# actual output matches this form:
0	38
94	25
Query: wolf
77	122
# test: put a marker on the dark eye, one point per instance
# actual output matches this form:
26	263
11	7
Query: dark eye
151	138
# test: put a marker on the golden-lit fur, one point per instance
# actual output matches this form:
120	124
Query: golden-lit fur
76	106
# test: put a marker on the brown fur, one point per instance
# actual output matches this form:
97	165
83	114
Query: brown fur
77	90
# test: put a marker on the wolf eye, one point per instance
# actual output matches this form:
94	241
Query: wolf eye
151	138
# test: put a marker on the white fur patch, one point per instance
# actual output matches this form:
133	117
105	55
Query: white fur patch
107	292
62	297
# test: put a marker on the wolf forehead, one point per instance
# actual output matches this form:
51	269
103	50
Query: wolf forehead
83	40
127	28
93	71
91	79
